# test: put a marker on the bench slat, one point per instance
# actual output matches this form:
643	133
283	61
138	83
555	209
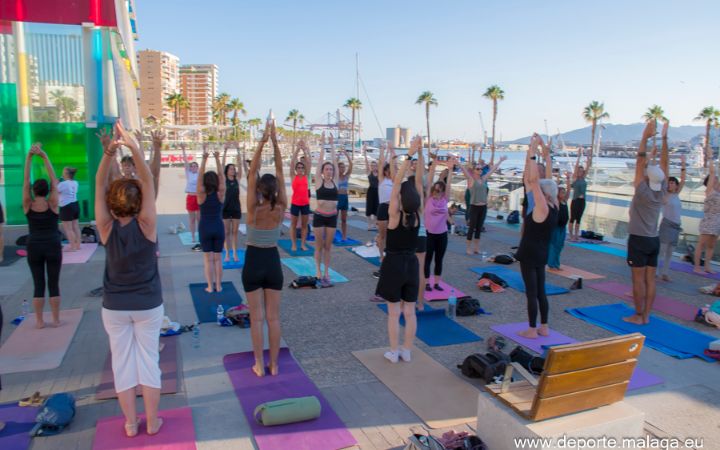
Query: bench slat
581	380
600	352
546	408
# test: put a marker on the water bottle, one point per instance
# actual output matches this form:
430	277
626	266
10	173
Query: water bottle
196	335
452	304
25	308
220	314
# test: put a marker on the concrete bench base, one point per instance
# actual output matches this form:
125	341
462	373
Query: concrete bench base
500	427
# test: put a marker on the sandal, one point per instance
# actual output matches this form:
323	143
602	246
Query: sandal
157	430
131	429
34	400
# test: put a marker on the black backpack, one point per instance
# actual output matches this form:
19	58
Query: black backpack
304	282
494	278
486	366
514	217
533	364
503	258
89	235
467	306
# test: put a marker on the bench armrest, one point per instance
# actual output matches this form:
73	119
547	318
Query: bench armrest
521	371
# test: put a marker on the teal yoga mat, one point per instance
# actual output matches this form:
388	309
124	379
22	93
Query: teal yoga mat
206	303
435	329
232	264
621	252
374	260
660	334
286	245
514	279
185	238
338	240
305	266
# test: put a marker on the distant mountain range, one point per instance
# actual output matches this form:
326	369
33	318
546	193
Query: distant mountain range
621	134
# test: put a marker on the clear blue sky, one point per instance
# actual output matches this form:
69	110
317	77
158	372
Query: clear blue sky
551	58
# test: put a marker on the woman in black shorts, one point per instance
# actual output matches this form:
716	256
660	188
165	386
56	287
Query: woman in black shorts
399	281
579	188
210	198
232	209
325	215
69	208
371	199
44	248
262	275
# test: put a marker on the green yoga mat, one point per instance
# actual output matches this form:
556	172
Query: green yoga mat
305	267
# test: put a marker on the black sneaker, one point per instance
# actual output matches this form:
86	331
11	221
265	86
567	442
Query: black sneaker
376	274
197	248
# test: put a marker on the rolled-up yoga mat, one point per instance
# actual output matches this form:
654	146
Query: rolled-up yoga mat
288	410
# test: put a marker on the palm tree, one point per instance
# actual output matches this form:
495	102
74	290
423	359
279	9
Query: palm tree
428	99
236	106
494	93
710	115
220	108
354	104
58	97
70	105
592	113
655	113
177	102
296	118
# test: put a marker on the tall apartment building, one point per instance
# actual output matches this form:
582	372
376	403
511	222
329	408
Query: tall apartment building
159	78
399	137
199	86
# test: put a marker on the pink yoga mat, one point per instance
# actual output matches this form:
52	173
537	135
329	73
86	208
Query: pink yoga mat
29	349
640	378
177	433
663	304
324	433
688	268
81	256
441	295
168	367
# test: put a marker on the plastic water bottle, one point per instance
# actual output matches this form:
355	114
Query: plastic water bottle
452	304
196	335
220	314
25	308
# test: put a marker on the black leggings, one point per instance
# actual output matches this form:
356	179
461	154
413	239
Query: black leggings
40	257
534	279
477	220
436	246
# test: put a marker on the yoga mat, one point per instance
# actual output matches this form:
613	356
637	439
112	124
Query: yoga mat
206	303
435	329
305	266
10	255
327	432
514	279
286	245
621	252
186	238
81	256
660	334
168	367
177	433
663	304
574	273
688	268
232	264
337	239
640	377
438	396
29	349
434	295
359	224
367	254
18	423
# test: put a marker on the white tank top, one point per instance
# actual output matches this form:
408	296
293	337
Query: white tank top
385	190
68	190
191	184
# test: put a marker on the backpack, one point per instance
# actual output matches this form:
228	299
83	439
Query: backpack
514	217
304	282
89	235
534	364
57	412
467	306
494	278
488	366
22	240
503	259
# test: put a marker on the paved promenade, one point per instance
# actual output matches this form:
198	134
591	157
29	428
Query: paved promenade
322	328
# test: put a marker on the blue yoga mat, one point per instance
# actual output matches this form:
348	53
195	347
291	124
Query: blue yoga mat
621	252
338	240
304	266
374	260
660	334
514	279
286	245
232	264
435	329
206	304
185	238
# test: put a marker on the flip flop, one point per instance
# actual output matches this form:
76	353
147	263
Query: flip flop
34	400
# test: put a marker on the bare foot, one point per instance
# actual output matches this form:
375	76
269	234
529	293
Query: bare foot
710	271
543	330
420	306
637	319
646	319
698	270
259	370
154	429
235	258
530	333
209	289
56	323
274	369
39	324
469	252
294	249
303	248
227	258
218	288
665	278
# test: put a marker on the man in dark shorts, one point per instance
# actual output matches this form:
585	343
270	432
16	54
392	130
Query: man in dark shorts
643	241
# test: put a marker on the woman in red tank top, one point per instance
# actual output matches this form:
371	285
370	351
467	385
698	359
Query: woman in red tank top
300	203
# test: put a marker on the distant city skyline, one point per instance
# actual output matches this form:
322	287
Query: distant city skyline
550	59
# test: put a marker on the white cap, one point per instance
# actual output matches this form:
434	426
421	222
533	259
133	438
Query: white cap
655	177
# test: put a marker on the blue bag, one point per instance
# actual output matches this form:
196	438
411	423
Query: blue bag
57	412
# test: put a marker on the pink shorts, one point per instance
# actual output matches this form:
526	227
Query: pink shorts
191	203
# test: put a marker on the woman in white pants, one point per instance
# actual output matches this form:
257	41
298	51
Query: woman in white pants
132	300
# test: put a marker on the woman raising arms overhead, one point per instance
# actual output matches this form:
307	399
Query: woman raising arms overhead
210	198
326	212
300	204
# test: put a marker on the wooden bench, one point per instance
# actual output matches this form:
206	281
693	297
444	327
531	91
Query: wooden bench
576	377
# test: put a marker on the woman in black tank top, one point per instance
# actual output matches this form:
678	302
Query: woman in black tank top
533	250
399	280
232	209
326	213
44	249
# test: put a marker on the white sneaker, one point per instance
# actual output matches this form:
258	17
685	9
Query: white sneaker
172	230
181	227
392	356
405	354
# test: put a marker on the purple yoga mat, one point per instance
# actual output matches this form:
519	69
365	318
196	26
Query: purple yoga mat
18	422
663	304
688	268
327	432
640	378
